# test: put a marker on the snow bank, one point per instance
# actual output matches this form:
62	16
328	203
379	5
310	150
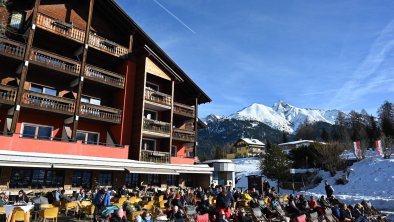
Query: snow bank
371	179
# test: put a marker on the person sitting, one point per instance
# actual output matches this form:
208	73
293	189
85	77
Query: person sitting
122	192
254	193
119	216
312	203
177	201
81	195
203	206
175	214
22	197
221	216
243	217
358	213
3	200
345	213
147	217
324	202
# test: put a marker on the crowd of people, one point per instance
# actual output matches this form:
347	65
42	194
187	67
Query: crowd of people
216	203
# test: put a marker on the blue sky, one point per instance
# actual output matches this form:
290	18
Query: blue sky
319	54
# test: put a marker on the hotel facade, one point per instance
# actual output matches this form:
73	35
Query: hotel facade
88	99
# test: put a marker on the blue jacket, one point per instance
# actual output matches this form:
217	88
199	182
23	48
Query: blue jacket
224	201
106	201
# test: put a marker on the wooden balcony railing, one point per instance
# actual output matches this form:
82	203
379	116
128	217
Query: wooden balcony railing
102	113
104	76
157	126
59	27
7	94
183	135
155	156
157	97
12	48
107	45
48	102
184	110
55	61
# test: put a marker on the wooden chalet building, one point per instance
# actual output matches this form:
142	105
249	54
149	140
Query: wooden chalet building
87	98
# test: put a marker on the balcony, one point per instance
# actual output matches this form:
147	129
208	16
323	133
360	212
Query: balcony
155	156
104	76
161	99
17	143
183	135
12	48
101	113
58	27
156	126
54	61
107	46
7	94
48	103
184	110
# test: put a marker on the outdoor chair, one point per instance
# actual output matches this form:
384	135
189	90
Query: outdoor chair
314	217
50	213
88	211
132	216
162	204
258	215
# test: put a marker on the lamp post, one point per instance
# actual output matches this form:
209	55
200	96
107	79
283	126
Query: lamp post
292	172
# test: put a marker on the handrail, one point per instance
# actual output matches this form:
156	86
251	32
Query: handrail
184	109
103	75
55	60
7	93
183	135
52	24
155	156
48	101
186	130
158	97
107	45
101	112
12	47
157	126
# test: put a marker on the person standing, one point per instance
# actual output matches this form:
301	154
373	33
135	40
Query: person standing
101	201
225	202
329	189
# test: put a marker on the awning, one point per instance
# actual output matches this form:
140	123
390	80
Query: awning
86	167
145	170
24	164
195	172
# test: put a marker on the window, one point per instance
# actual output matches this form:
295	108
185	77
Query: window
88	137
132	180
149	114
172	180
91	100
20	178
36	131
105	179
16	20
37	178
188	180
81	179
54	178
43	89
174	150
152	86
154	179
149	144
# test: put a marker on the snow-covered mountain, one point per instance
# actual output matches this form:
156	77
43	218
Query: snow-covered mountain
281	115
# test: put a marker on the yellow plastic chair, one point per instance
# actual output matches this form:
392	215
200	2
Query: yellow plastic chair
161	198
50	213
152	202
149	207
133	215
162	204
2	211
88	211
71	206
45	206
20	215
133	200
122	200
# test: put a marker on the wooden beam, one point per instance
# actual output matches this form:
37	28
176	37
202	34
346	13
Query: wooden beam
25	67
196	128
81	72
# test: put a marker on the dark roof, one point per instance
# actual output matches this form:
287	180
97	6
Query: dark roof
202	97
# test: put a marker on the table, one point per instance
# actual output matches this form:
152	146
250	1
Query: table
26	208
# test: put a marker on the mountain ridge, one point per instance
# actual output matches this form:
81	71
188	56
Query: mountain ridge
281	116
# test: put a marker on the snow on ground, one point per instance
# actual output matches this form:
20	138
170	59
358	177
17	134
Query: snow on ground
371	179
